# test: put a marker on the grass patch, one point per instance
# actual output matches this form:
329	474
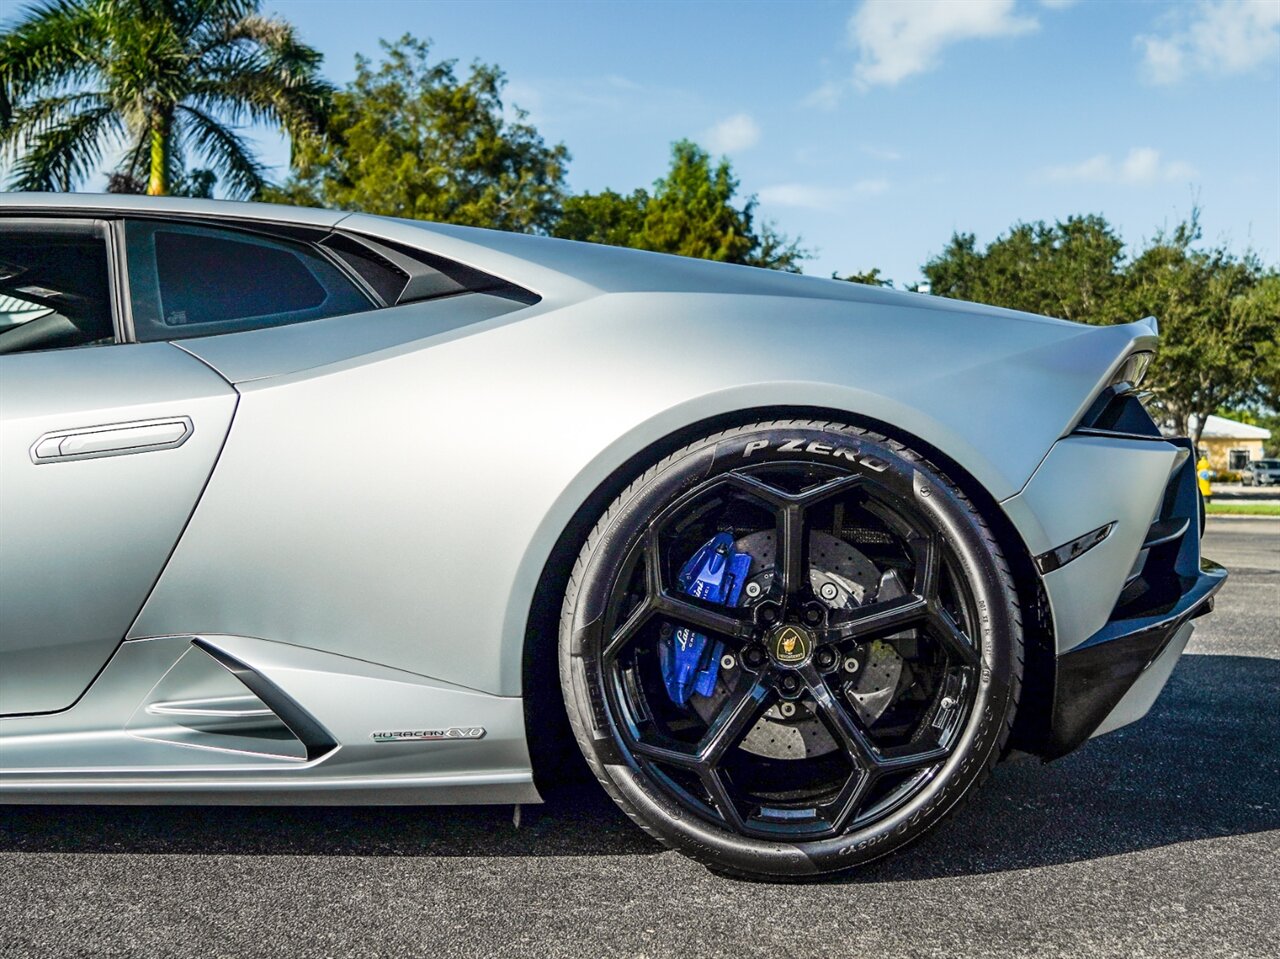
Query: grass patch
1243	509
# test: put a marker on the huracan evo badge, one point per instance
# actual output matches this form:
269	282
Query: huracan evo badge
428	735
791	646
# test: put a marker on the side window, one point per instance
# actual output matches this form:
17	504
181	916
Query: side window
55	288
196	281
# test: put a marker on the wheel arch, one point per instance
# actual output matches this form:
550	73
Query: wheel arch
555	758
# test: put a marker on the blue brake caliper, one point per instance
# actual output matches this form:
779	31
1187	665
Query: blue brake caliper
716	573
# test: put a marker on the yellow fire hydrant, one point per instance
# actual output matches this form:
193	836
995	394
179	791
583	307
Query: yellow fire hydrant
1204	474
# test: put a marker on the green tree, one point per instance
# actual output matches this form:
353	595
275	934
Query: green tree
1218	314
691	212
604	217
869	277
1073	269
1262	306
409	138
167	80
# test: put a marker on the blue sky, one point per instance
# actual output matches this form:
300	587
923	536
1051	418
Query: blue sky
874	129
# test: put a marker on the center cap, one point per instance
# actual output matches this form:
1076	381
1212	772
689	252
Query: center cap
790	645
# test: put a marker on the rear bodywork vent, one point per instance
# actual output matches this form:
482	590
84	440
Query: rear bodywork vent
397	274
1119	411
1170	558
1168	584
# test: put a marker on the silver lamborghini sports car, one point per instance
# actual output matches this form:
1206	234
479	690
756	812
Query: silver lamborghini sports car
301	506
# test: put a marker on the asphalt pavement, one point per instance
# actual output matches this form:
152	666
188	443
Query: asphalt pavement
1162	839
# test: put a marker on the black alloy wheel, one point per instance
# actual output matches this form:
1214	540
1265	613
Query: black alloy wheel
856	679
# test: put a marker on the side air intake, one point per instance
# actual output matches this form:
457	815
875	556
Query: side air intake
212	700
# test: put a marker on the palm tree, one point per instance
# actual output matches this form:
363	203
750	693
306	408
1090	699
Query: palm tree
161	80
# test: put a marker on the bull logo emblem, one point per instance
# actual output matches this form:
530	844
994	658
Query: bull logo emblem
790	646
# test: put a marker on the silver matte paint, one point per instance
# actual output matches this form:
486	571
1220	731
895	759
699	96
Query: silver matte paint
395	481
451	425
1084	483
83	540
86	752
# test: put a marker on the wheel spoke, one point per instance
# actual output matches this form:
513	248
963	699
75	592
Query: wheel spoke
668	751
887	617
652	563
762	491
718	789
928	554
703	618
840	810
628	630
840	484
949	634
734	720
793	552
856	742
910	761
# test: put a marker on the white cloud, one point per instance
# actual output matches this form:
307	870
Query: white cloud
871	187
881	153
800	195
732	134
1058	4
827	96
896	40
811	197
1141	165
1213	37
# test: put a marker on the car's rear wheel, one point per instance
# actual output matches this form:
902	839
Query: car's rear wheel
790	648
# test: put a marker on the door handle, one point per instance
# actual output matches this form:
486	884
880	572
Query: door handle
114	439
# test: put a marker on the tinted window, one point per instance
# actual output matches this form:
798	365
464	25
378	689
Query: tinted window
193	281
54	287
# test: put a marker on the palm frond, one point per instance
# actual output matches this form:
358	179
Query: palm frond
58	43
252	29
39	116
256	95
224	152
205	19
61	157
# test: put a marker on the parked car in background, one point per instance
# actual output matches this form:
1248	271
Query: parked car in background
1261	473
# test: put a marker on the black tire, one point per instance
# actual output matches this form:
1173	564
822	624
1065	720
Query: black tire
700	810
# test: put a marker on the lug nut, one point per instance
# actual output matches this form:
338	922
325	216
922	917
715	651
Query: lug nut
753	590
850	664
768	614
826	658
787	709
754	657
727	661
790	684
813	616
829	591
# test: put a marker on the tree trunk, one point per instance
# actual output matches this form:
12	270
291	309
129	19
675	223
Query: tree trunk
158	181
1195	434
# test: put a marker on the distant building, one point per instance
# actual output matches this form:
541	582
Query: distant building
1230	445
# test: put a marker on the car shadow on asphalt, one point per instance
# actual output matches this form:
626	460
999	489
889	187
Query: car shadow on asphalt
1203	764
